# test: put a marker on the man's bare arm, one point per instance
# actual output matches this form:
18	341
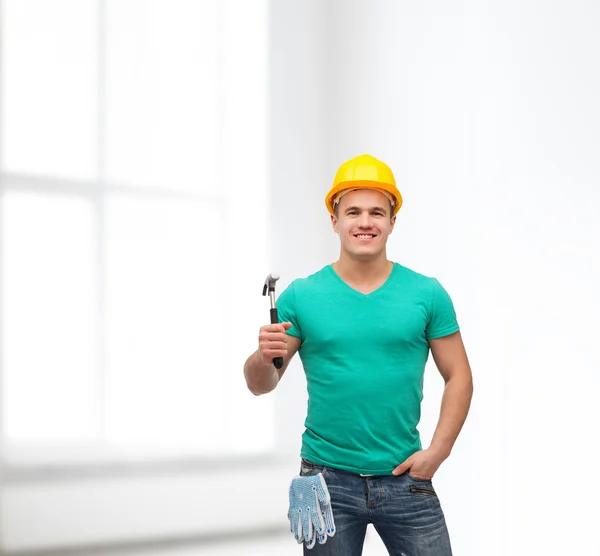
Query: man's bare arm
451	360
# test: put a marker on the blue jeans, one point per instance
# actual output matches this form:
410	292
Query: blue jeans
405	511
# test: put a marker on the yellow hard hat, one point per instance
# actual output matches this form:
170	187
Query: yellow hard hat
364	172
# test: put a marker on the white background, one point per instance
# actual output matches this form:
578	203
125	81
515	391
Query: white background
488	114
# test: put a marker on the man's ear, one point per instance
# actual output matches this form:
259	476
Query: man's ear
334	223
393	223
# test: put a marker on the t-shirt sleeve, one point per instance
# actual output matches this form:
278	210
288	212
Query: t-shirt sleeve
442	317
286	310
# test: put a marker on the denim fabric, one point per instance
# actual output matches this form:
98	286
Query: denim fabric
405	511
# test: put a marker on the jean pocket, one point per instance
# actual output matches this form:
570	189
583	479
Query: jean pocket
417	479
422	487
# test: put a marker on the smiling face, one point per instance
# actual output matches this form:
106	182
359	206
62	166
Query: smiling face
363	219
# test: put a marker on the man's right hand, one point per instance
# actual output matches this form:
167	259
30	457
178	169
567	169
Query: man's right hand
273	341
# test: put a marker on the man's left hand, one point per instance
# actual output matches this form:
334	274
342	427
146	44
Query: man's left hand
421	465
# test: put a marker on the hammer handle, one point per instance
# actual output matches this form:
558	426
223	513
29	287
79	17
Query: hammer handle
277	361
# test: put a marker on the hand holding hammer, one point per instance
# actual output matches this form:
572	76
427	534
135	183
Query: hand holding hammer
273	339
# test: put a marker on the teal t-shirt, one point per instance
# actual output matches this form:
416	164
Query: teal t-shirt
364	356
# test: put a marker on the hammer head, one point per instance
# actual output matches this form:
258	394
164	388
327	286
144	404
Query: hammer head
270	283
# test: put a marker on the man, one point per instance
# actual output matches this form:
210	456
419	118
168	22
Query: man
363	327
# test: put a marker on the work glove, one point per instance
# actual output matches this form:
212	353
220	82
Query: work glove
310	515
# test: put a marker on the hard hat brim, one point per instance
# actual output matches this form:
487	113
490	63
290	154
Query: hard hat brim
363	184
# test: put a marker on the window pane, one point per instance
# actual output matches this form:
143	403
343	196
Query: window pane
166	311
48	318
50	87
163	107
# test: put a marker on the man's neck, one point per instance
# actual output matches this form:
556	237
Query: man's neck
363	271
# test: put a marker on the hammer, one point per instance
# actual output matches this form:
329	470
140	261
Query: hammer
270	287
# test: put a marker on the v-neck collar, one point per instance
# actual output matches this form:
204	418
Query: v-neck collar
359	293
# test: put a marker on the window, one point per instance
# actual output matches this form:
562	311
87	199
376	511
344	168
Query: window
134	238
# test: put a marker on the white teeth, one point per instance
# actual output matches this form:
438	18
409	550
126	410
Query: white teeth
365	236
